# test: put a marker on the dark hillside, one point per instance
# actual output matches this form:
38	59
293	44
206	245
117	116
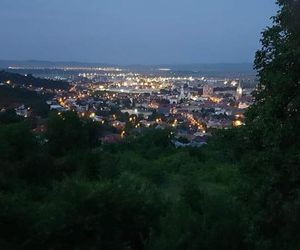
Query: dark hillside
14	97
29	80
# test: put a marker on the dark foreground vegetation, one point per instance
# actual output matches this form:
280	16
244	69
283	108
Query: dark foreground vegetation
70	193
64	190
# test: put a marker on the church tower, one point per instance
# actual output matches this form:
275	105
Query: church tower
182	95
239	92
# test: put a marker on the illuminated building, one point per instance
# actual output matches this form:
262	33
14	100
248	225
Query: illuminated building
208	90
182	95
239	92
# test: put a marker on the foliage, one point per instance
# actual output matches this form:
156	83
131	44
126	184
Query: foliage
271	139
9	116
62	192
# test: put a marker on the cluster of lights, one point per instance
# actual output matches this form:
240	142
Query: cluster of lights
238	123
175	123
215	99
195	123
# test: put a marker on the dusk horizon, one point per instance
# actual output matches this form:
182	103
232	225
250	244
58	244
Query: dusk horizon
134	32
126	64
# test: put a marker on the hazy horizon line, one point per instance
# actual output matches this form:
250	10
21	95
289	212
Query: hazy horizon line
124	64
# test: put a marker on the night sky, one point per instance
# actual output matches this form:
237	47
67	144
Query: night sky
133	31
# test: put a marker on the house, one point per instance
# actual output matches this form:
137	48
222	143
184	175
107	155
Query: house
22	111
57	108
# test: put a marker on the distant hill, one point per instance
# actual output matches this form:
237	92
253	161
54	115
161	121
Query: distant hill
27	80
48	64
219	67
205	67
14	97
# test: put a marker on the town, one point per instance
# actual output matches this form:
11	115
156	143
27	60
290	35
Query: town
129	102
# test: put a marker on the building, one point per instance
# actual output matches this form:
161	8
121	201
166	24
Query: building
239	92
208	90
22	111
173	100
182	95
